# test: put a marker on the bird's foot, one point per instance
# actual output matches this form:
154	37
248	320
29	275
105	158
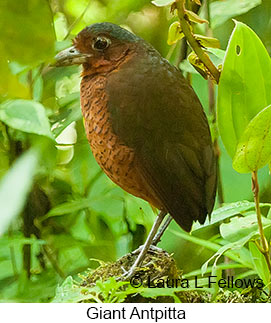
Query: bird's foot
131	273
152	249
143	250
127	275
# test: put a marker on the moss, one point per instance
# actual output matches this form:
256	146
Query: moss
157	265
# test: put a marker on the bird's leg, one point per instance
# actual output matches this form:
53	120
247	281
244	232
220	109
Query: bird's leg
146	246
163	228
156	238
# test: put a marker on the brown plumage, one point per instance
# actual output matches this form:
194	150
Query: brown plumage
115	158
144	122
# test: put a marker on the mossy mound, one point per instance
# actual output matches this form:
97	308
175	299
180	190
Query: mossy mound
105	284
156	265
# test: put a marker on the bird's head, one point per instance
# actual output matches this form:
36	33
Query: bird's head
99	47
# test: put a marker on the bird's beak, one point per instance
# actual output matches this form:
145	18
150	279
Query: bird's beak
70	56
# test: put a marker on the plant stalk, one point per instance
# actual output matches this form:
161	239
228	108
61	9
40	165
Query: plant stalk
264	244
180	5
212	111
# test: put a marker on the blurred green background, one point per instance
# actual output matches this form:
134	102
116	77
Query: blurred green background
66	211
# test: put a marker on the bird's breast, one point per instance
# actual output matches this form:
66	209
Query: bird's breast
109	152
115	158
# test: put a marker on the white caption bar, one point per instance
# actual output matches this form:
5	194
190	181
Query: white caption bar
156	312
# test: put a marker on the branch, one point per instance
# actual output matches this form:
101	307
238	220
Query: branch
180	5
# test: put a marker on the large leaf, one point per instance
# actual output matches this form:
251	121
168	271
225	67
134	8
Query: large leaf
68	113
70	207
221	11
259	263
10	84
26	30
61	26
26	115
15	186
254	148
229	250
227	211
240	227
68	292
27	36
244	86
216	247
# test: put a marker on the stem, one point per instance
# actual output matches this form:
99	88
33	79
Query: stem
180	4
212	111
207	3
220	194
264	244
183	51
49	255
12	254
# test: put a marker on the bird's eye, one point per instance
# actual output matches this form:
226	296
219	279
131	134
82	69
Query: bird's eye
101	43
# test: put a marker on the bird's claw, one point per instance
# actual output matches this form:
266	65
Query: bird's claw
152	249
124	270
128	274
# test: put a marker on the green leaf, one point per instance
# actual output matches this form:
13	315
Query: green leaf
26	115
68	292
216	247
68	113
195	18
70	207
27	37
244	86
174	33
162	3
185	66
207	41
10	86
221	11
109	291
240	227
37	85
219	53
217	56
227	211
197	64
26	30
254	147
222	266
259	263
15	186
61	26
229	251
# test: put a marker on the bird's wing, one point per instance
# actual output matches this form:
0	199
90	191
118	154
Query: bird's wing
157	113
183	189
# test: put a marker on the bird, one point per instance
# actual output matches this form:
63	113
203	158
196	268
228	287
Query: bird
145	124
